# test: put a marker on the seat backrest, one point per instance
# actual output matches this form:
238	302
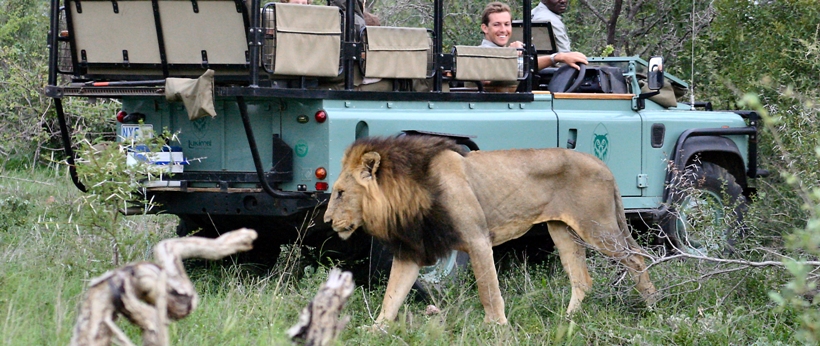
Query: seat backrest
485	64
108	40
118	39
211	33
542	36
306	40
394	52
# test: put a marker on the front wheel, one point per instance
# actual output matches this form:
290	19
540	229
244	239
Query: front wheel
444	269
706	212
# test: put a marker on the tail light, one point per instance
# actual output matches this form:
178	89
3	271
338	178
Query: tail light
320	116
322	186
321	173
124	117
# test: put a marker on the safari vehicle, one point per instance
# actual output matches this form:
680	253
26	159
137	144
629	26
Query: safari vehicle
289	94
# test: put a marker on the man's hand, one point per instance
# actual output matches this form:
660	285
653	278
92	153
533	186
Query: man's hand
572	59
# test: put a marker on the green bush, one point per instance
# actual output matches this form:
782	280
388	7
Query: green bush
28	123
14	212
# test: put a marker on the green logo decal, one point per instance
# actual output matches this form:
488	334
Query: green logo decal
600	143
201	126
301	148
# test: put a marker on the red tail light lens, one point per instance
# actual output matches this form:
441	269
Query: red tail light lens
321	173
121	115
321	116
321	186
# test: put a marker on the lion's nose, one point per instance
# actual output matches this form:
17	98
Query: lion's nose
328	218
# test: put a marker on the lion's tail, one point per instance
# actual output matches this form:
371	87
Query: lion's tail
621	216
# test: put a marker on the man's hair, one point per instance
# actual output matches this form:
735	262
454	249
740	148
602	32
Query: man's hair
491	8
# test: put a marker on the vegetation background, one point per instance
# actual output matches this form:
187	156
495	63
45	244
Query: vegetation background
761	54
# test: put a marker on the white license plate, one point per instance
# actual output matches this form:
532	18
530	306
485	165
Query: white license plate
131	132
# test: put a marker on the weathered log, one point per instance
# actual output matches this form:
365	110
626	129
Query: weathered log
319	323
147	294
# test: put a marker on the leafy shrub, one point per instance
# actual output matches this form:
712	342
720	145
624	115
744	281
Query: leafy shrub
28	123
14	212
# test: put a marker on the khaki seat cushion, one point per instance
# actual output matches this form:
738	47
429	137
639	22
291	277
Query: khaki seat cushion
394	52
308	40
486	63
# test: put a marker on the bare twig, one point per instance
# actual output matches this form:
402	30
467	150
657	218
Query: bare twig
27	180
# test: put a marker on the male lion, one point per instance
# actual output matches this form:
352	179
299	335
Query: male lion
424	196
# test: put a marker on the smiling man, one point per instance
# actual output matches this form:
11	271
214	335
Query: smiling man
496	24
551	11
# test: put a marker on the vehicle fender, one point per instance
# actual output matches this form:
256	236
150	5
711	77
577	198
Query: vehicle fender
717	149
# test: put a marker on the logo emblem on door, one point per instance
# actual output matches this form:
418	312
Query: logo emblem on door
600	143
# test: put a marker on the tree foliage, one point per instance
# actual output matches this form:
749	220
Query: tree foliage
637	27
22	72
28	125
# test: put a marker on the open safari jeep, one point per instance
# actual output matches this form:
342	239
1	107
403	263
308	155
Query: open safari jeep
264	99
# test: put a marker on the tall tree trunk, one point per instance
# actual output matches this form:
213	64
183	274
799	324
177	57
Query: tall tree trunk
612	25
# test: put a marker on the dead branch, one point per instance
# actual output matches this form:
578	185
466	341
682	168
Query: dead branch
740	262
147	294
319	323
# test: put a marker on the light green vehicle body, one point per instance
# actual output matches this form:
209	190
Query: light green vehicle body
610	129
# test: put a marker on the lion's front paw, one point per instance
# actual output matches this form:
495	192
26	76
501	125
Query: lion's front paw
378	327
495	320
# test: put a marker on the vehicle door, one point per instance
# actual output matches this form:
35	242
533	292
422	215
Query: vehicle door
605	126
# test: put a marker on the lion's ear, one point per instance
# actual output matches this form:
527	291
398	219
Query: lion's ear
370	164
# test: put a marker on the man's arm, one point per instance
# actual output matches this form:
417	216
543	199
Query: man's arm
569	58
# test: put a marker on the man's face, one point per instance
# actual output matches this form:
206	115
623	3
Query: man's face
499	29
556	6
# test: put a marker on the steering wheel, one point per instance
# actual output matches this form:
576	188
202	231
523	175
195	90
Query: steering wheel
560	82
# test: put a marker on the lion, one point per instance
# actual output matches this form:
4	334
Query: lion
425	196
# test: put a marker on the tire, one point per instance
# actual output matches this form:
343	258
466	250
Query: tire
706	211
370	261
445	269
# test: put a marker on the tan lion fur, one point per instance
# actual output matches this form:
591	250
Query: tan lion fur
424	197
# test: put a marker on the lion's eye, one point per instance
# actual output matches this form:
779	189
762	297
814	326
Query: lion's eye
339	194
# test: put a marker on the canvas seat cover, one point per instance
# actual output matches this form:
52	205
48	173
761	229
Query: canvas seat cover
308	40
486	63
394	52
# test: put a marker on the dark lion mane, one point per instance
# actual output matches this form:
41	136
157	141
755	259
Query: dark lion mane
417	228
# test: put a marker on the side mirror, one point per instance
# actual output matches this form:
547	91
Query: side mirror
655	75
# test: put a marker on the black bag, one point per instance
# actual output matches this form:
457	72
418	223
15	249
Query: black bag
603	79
596	79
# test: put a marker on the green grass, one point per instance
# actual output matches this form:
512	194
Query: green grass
47	257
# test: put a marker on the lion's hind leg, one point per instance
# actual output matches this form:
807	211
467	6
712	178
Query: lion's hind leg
620	245
573	258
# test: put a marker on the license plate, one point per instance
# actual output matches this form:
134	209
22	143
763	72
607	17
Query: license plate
131	132
170	159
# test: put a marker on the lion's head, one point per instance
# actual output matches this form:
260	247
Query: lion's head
345	207
386	187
